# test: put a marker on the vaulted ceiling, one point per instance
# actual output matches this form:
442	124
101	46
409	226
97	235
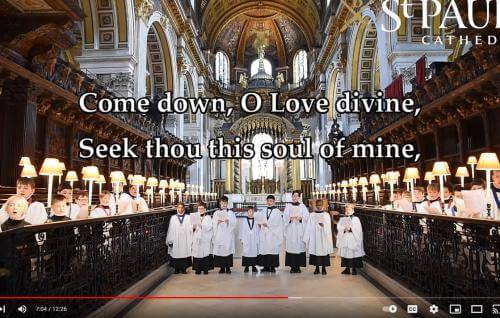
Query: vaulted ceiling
239	27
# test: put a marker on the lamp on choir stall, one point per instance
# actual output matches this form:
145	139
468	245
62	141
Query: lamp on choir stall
137	181
100	181
488	161
412	174
163	185
90	174
354	183
130	177
63	168
429	177
398	175
116	178
50	167
375	181
25	161
441	169
391	177
151	183
383	177
71	177
461	173
363	182
472	161
344	185
28	171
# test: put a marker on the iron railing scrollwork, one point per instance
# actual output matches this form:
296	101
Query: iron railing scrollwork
444	259
94	257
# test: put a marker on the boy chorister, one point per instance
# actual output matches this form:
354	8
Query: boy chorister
270	236
350	241
82	200
295	219
103	209
224	223
16	207
72	209
202	242
318	238
433	204
180	240
129	203
58	209
36	214
494	196
249	238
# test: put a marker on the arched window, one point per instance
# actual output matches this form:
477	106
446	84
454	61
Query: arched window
300	66
222	68
254	67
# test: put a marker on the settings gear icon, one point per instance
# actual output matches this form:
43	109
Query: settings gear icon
434	309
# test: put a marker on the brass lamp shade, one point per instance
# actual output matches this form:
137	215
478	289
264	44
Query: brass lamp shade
488	161
462	172
363	181
152	182
374	179
50	167
429	176
28	171
25	161
441	168
472	160
90	173
412	173
71	176
117	177
163	184
137	180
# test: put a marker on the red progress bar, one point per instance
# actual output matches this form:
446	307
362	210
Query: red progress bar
133	297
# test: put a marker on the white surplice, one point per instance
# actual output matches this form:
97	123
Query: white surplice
249	237
294	230
126	201
202	238
36	214
271	237
224	233
319	238
350	244
180	236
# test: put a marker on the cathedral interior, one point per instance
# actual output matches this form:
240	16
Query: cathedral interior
53	51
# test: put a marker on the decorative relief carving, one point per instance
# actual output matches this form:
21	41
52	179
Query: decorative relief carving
144	8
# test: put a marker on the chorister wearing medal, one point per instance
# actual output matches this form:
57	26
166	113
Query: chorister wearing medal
295	218
202	240
224	223
350	241
270	223
318	238
249	238
180	240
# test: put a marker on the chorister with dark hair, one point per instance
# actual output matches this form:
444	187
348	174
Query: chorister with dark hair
249	238
350	241
295	219
270	236
202	241
179	240
224	223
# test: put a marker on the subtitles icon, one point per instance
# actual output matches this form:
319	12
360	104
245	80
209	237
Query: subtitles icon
495	310
455	309
412	309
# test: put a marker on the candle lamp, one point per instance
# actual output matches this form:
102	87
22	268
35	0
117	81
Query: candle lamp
163	185
71	177
363	182
429	177
461	173
472	161
152	182
344	186
90	174
412	174
137	181
488	161
391	177
375	181
100	181
50	167
117	178
441	169
28	171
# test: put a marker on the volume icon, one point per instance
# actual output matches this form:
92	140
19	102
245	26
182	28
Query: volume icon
22	309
